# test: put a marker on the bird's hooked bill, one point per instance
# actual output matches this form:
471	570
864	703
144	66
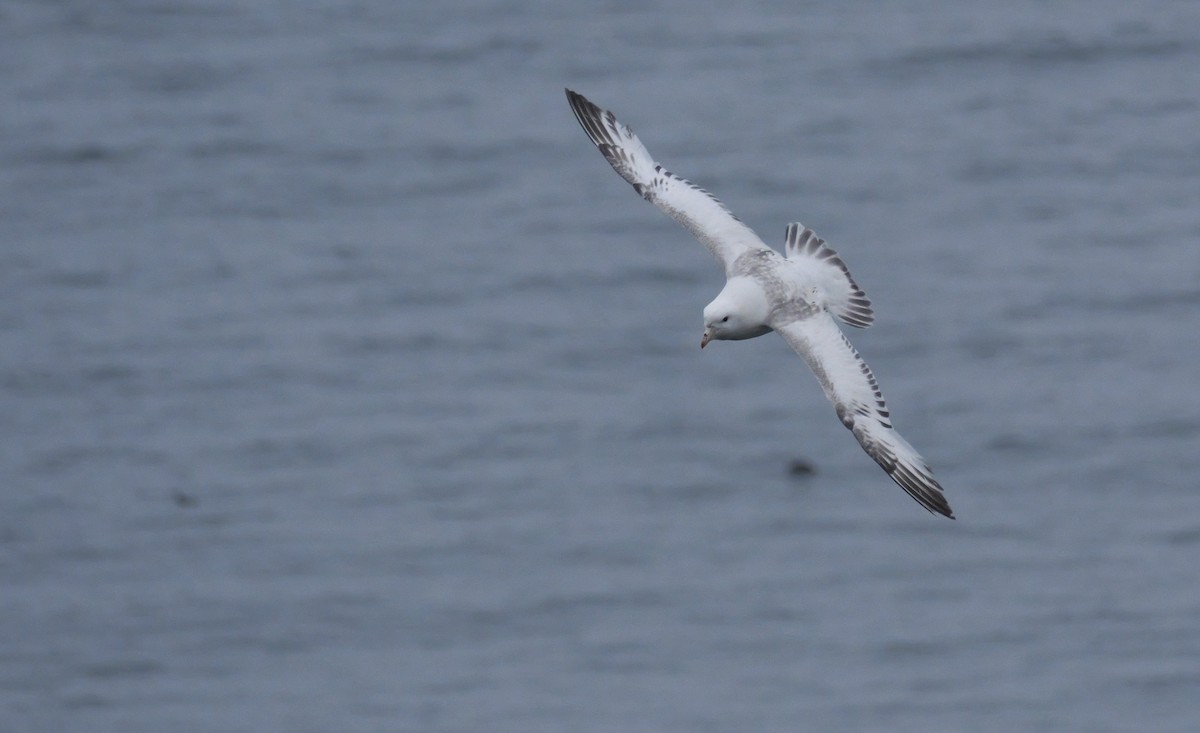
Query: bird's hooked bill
705	339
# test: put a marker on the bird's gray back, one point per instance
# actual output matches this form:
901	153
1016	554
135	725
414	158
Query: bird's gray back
785	295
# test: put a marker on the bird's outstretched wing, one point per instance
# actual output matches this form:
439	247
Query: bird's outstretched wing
696	209
851	387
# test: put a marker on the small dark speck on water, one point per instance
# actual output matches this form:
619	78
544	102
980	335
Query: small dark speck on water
801	467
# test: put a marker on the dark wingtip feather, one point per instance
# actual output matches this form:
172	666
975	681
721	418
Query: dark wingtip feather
924	489
589	116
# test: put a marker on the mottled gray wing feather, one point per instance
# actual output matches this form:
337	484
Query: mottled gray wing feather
851	387
697	210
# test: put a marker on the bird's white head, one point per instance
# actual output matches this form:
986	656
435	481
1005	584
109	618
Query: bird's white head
716	324
735	314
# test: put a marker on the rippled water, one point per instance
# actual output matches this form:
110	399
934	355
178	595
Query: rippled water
346	388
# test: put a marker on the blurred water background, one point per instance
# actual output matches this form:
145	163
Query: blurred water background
346	388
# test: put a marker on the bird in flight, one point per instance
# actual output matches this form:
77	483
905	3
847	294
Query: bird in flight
797	294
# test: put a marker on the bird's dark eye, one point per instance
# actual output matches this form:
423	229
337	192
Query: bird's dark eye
726	318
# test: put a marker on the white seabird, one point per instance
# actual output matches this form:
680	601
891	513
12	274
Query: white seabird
797	296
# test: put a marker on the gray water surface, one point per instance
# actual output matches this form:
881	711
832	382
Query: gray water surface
346	388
